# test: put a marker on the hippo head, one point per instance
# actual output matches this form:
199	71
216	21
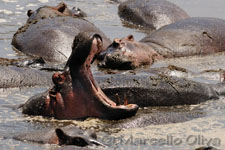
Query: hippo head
81	141
49	11
75	94
125	53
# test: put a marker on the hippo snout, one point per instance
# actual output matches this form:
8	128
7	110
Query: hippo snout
116	60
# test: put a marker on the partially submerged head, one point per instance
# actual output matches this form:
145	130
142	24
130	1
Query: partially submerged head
78	140
75	94
125	53
50	11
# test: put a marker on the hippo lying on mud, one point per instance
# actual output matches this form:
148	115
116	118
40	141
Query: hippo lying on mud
68	135
50	12
188	37
150	14
51	36
75	94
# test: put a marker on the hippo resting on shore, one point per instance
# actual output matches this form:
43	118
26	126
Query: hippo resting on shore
75	94
51	38
188	37
150	14
68	135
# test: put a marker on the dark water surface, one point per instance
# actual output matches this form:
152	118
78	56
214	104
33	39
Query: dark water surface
103	13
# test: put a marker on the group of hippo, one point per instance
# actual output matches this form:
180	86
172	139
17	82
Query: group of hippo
76	93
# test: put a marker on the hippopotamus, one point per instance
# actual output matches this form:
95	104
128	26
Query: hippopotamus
51	38
75	95
157	116
63	136
149	87
75	87
197	36
50	11
150	14
12	76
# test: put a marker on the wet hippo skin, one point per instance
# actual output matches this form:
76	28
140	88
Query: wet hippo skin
51	37
75	95
150	90
54	11
12	76
189	37
150	14
68	135
154	88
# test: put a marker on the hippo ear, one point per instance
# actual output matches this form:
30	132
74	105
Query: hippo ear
130	38
68	140
61	136
30	12
61	7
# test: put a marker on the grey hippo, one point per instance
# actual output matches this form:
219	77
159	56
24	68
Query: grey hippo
51	36
150	14
197	36
70	137
145	87
75	95
13	76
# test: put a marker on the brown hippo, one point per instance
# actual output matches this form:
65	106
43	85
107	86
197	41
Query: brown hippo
50	11
68	135
75	94
193	36
51	38
150	14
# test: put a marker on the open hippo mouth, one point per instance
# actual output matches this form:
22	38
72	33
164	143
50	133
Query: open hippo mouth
75	94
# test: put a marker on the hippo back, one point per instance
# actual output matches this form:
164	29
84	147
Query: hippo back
151	14
192	36
52	38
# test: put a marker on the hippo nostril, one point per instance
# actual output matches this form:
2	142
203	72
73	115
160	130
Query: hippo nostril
58	78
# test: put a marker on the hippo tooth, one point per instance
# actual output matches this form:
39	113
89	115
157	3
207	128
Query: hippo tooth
125	100
117	99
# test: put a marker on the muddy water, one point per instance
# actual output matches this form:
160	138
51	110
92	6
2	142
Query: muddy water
103	13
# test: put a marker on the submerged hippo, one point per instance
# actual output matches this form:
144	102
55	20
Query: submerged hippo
193	36
75	94
51	38
50	11
151	14
68	135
